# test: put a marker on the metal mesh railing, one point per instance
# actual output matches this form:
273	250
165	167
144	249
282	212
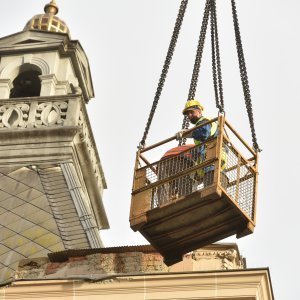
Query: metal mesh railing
198	173
241	179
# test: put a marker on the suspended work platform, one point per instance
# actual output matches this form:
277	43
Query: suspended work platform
195	194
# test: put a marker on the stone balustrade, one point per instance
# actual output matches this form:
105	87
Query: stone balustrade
52	112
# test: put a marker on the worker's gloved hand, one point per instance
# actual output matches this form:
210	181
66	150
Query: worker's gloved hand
179	134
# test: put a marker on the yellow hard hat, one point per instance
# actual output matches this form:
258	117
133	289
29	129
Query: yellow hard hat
192	104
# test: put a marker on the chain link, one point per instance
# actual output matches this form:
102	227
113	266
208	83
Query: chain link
210	9
244	76
194	80
195	75
216	60
165	69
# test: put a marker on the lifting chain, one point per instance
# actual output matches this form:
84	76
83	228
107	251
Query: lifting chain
244	76
166	66
210	9
195	75
216	61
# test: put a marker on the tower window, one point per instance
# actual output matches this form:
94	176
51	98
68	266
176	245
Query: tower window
26	84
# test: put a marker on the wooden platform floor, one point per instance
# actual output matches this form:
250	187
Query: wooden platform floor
191	222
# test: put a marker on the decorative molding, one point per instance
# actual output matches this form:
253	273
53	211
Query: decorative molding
42	64
13	116
51	113
87	138
10	71
236	285
33	114
229	258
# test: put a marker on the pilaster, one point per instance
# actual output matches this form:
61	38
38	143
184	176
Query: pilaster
48	85
5	87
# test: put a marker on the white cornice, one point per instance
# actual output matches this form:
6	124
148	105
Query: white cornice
246	284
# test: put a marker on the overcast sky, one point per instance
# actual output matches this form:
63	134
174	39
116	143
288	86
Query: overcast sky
126	42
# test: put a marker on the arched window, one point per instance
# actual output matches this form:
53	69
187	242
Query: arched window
27	83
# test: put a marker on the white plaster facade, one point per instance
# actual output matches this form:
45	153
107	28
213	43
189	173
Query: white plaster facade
57	72
236	285
60	61
48	138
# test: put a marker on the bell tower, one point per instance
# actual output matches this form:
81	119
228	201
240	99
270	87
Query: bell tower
51	178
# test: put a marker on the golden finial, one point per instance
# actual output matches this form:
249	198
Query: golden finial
48	21
51	8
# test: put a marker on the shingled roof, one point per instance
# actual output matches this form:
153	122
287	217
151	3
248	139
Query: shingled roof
38	216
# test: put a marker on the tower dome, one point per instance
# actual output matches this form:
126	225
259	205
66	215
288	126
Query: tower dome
47	21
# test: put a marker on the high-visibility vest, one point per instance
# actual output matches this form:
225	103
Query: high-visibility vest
213	132
213	129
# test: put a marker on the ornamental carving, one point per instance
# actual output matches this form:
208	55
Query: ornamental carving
86	137
229	259
14	115
51	113
231	254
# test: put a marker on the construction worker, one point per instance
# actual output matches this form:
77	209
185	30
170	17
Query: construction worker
193	110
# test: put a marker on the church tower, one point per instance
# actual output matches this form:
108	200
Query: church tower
51	178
